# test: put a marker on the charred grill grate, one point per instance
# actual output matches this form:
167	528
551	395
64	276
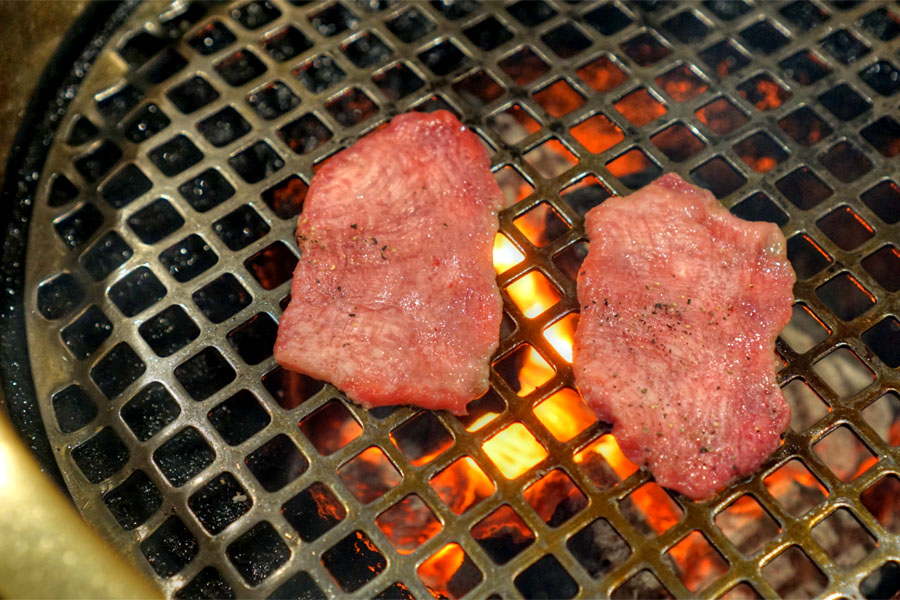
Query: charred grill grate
165	221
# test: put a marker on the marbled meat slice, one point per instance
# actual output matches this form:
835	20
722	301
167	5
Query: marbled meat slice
681	303
395	299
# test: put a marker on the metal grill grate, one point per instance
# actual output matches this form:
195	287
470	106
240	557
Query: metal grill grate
165	225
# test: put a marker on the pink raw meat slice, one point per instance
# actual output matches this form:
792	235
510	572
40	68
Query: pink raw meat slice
681	303
394	299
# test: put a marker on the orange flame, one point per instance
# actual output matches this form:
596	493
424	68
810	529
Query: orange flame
514	450
437	572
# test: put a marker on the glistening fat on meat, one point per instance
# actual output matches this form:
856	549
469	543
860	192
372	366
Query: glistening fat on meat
681	303
394	299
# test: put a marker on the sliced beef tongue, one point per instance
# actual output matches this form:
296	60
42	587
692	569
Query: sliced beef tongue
394	299
681	303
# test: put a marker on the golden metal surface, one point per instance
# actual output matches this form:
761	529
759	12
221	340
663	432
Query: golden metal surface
48	550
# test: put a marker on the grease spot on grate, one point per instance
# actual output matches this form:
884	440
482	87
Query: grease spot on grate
150	410
118	369
258	553
845	296
313	511
276	463
238	418
449	572
759	207
220	502
502	534
134	501
408	524
410	25
73	408
747	525
183	456
331	427
884	266
546	578
462	485
807	408
792	574
170	548
354	561
207	584
85	334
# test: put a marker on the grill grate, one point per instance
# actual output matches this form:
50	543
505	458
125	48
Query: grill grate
166	221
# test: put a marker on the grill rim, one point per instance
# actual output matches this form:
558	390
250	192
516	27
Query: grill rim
508	276
79	47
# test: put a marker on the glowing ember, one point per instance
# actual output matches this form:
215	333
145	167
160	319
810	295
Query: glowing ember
462	485
408	524
506	255
533	294
562	334
535	371
514	450
565	414
699	562
449	573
